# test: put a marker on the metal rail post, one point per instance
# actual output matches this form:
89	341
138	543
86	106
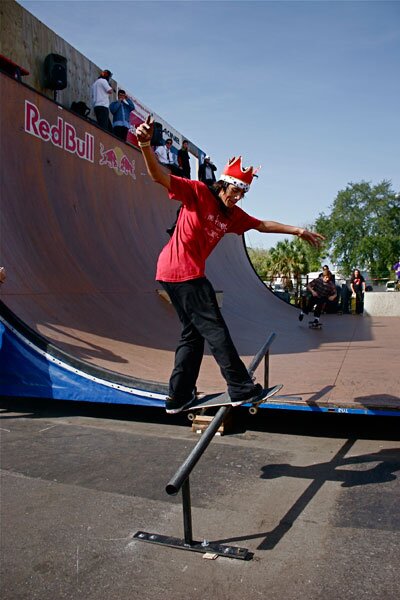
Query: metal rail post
187	512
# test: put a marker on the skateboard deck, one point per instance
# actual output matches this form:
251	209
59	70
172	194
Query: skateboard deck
313	325
224	399
353	305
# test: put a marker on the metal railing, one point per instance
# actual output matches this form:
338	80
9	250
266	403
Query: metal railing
180	481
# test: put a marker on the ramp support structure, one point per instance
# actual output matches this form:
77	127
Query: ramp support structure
181	481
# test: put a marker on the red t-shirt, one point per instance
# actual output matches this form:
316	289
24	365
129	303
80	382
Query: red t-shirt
201	224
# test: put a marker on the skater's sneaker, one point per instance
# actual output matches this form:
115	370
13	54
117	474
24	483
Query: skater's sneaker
174	407
256	391
301	316
315	323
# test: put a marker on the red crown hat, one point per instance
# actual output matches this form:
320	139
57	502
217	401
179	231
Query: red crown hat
235	173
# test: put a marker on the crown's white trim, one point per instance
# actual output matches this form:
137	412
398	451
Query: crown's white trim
240	184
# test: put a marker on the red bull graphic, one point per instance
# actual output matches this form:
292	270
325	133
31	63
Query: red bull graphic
127	167
115	159
61	134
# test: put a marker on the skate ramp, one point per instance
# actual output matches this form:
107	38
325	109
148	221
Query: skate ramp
80	237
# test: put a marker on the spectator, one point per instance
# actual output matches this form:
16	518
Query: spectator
357	284
121	109
322	290
101	91
2	274
184	159
167	158
207	172
326	269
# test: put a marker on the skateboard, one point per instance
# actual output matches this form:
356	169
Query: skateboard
353	305
218	400
313	325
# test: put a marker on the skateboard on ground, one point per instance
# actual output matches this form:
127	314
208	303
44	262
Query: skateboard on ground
353	304
313	325
218	400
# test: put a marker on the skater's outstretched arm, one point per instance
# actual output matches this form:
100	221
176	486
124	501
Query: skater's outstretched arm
314	239
144	133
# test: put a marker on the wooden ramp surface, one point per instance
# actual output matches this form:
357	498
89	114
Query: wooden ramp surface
80	241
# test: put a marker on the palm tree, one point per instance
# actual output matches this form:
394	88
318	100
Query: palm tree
289	259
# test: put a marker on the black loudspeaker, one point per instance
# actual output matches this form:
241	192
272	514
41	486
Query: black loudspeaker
55	72
157	139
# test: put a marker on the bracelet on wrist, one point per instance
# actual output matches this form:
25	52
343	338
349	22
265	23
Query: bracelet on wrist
144	144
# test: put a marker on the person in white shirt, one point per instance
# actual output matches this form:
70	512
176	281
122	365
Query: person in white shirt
165	154
101	91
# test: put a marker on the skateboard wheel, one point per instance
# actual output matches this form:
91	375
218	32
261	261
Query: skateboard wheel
191	416
253	410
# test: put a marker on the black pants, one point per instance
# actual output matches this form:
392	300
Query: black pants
103	117
121	132
359	302
318	303
196	304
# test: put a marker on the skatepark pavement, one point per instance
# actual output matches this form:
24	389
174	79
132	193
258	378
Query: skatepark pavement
314	497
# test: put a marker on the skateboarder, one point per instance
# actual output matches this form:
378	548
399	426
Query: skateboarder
322	290
207	215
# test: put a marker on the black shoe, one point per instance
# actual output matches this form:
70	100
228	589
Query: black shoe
315	323
173	406
256	391
301	316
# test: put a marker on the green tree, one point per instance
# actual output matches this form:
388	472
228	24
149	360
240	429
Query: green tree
261	261
363	228
290	259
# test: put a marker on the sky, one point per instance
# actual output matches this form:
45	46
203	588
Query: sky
309	90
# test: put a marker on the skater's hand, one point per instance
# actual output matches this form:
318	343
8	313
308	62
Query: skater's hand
332	298
144	132
314	239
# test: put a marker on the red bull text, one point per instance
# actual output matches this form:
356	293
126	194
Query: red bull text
62	134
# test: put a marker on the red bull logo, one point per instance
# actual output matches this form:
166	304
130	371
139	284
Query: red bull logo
115	159
61	134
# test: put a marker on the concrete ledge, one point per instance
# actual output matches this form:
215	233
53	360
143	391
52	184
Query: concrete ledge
382	304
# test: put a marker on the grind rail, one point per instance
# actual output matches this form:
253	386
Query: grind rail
181	480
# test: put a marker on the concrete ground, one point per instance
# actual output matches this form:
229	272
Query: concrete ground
315	497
